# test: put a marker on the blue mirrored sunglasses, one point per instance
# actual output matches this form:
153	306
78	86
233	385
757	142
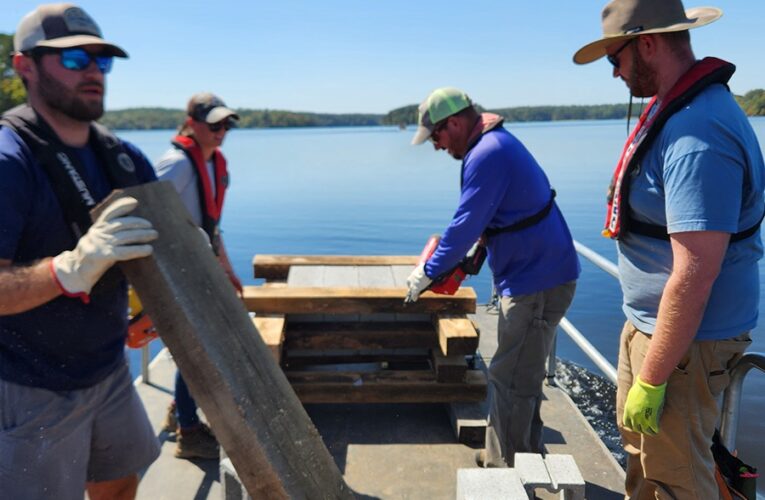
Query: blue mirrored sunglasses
79	60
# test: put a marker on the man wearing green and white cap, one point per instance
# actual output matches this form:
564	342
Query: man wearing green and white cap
506	200
685	206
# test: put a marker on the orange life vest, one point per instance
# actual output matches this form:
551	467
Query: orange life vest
211	205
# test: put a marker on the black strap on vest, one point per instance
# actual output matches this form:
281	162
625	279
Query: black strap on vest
65	170
524	223
67	174
660	232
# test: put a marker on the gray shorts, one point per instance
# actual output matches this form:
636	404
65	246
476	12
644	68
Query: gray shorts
51	443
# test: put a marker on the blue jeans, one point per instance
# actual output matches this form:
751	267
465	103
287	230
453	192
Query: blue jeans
186	407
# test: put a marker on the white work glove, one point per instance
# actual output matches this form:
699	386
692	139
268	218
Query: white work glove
417	282
112	238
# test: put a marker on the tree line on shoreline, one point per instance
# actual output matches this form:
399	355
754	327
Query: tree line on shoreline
752	102
152	118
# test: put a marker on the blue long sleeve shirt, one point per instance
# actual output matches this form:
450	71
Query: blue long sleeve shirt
503	184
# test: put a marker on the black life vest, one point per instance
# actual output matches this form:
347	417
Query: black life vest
64	170
211	206
67	174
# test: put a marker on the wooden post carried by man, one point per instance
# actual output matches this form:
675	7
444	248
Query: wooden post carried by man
248	401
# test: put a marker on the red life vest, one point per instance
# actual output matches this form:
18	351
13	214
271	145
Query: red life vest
212	206
704	73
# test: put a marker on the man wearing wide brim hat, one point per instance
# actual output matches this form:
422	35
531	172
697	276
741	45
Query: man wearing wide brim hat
685	206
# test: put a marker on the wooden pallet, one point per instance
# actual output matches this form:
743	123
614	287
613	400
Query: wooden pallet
347	336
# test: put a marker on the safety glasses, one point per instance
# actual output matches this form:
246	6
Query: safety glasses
228	124
614	58
434	135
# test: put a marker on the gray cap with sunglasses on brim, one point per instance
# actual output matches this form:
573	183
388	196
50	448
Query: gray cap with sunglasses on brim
60	26
209	108
439	105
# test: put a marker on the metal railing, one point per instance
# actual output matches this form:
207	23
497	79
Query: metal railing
731	406
579	339
732	397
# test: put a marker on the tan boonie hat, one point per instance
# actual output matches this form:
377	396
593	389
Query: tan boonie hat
60	26
439	105
623	19
209	108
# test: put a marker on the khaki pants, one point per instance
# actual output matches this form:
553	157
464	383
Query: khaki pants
676	463
525	334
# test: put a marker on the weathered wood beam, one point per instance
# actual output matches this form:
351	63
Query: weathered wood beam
341	300
360	335
449	368
406	386
276	267
247	399
456	334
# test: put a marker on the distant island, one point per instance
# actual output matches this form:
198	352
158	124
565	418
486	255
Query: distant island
753	103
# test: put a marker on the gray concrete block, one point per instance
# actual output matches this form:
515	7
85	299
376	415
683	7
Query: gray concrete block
232	489
565	476
489	484
532	470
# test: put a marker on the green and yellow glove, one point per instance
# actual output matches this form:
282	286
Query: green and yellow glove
642	410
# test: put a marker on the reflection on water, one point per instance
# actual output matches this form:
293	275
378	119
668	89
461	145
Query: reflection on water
367	191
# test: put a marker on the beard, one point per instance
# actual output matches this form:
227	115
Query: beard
62	99
642	82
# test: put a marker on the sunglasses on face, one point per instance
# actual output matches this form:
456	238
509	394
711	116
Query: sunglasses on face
79	59
434	136
614	58
228	124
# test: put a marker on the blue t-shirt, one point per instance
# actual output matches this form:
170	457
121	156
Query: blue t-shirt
704	172
503	184
63	344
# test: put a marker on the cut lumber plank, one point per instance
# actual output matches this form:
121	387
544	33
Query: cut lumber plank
456	334
449	368
319	300
276	267
406	386
360	335
412	359
247	399
271	328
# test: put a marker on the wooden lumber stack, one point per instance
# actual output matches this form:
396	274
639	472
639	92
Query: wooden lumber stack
346	336
244	394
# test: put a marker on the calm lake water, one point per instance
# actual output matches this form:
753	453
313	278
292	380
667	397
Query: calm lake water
366	191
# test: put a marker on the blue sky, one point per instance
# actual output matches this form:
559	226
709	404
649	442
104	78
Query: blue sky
376	55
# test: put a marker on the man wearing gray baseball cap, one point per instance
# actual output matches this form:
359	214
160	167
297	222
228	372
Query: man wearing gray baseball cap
70	418
198	170
684	206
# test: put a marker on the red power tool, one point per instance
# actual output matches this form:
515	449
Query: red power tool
449	282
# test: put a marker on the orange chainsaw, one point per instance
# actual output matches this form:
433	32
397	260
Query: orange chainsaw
449	282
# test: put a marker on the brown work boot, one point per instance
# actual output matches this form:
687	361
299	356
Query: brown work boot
480	459
171	419
197	442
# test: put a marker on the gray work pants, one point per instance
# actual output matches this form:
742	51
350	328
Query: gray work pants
525	334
